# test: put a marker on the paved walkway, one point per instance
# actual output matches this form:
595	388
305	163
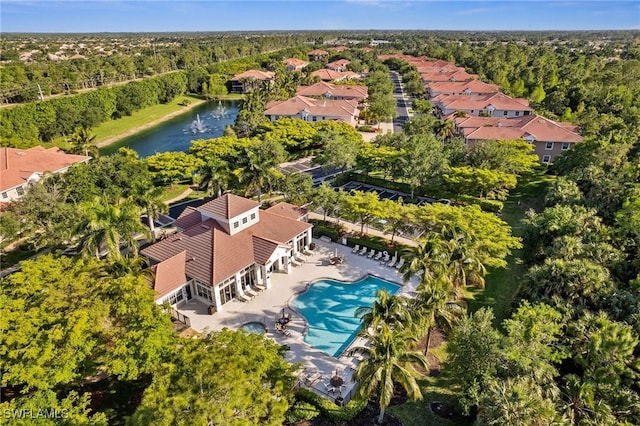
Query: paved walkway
353	227
182	196
268	305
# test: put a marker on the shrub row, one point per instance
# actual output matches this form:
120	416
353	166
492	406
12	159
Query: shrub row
492	206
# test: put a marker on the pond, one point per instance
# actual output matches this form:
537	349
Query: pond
205	121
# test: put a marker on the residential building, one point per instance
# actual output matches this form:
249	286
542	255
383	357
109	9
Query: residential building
338	49
455	75
318	55
331	75
19	168
334	91
293	64
225	247
549	138
310	109
490	105
470	87
340	65
249	80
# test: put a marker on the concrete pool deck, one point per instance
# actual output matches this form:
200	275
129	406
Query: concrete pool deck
268	305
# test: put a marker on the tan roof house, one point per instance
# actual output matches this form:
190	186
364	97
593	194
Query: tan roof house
21	167
331	75
334	91
293	64
549	138
456	75
249	80
470	87
490	105
310	109
340	65
224	249
317	55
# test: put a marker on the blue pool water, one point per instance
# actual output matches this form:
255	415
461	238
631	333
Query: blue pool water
329	308
254	327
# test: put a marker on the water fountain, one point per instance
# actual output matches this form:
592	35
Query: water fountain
198	126
220	111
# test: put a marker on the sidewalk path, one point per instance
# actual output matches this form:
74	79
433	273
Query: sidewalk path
369	231
182	196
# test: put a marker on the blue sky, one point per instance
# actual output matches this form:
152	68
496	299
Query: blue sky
208	15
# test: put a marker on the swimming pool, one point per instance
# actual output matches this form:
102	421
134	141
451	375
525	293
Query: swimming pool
329	307
254	327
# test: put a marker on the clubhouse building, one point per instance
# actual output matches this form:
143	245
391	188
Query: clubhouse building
226	248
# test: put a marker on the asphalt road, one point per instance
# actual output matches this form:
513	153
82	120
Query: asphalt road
401	102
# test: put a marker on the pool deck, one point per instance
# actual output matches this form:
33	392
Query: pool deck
268	305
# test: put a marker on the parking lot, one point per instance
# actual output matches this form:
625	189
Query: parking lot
304	165
388	194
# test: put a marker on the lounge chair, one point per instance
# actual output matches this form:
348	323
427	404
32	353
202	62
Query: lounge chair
356	248
329	388
249	292
399	264
392	263
371	253
244	298
257	289
294	263
312	378
378	256
385	259
362	251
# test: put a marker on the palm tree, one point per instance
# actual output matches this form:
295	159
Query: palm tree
149	198
445	129
437	305
254	173
109	226
387	360
214	174
429	260
464	265
83	142
388	309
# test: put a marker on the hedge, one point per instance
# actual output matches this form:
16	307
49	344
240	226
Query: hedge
492	206
335	413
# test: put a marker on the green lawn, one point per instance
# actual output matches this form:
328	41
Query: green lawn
418	413
502	283
139	118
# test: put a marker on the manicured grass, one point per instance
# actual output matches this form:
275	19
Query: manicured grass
502	284
171	192
230	97
142	117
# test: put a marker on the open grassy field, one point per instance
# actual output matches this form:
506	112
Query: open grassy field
502	284
143	117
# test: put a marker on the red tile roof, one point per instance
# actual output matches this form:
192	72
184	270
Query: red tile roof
346	109
17	165
335	90
498	100
294	62
189	217
337	64
254	74
454	87
288	210
228	206
457	75
317	52
339	48
328	75
496	128
212	255
170	274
